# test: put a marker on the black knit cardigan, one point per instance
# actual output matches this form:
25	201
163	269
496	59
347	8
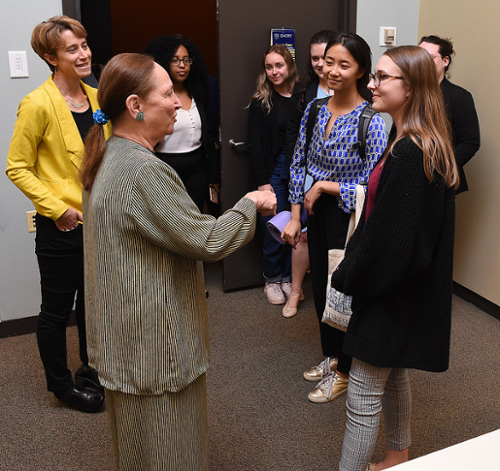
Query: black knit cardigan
398	268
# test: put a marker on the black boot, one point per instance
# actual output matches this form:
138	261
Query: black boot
87	377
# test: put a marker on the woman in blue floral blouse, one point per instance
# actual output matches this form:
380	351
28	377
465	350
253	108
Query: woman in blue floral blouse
336	168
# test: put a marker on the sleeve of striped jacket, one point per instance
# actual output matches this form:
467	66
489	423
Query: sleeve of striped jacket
164	213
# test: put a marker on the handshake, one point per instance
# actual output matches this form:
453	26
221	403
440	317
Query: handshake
265	201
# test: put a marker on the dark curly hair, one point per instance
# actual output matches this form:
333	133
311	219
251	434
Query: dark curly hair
164	48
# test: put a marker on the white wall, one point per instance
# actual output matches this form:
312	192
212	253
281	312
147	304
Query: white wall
19	280
372	14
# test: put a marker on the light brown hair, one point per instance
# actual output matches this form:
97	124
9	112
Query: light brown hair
46	37
264	86
424	113
124	75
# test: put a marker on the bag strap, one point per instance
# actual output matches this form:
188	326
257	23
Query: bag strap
365	119
311	120
356	215
363	125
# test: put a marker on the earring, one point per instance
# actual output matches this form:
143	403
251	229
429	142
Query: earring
140	116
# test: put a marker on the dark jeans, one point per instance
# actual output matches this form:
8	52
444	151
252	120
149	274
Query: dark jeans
327	229
61	279
277	259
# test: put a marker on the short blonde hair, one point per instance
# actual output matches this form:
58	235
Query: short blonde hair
46	37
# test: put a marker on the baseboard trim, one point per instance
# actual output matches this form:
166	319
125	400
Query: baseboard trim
28	324
478	301
24	326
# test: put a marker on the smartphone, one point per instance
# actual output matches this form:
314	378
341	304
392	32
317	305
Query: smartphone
213	195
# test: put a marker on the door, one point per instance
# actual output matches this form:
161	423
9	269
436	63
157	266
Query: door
244	35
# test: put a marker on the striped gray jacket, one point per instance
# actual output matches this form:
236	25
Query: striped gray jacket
144	240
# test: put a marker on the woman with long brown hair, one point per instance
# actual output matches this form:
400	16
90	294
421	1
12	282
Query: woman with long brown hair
398	264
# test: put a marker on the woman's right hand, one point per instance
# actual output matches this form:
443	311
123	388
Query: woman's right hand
265	200
69	220
292	232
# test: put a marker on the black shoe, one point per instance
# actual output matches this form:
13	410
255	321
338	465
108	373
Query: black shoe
87	377
81	400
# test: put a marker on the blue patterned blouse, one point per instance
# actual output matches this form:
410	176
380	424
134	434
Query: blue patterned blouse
334	159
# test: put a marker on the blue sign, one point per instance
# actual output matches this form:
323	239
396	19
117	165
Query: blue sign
285	37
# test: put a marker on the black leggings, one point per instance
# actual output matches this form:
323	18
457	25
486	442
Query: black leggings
192	169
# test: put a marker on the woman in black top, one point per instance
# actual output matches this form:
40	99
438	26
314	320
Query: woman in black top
44	159
267	121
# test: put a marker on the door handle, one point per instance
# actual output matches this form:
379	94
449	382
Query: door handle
233	144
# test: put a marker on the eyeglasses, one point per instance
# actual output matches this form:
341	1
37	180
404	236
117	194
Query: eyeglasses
176	61
379	77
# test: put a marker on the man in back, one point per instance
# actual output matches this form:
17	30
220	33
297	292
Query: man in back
459	104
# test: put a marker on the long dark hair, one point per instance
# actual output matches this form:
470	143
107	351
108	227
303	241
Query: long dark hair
124	75
321	37
362	54
164	48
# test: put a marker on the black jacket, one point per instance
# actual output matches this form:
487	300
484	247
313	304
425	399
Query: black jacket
462	114
266	136
297	110
398	268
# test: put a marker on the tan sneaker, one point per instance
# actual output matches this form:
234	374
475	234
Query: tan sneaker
329	388
317	373
274	294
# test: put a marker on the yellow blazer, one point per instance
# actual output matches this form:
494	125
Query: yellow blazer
46	150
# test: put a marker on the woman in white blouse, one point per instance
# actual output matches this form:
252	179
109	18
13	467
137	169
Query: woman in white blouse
189	150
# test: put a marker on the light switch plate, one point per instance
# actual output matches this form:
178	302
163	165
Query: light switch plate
387	36
18	64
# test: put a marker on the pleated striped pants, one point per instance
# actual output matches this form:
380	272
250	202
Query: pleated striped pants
160	433
370	390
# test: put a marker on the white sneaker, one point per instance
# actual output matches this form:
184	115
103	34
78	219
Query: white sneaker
273	293
286	287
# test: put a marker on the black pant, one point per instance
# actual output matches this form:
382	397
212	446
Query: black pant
327	229
60	260
192	169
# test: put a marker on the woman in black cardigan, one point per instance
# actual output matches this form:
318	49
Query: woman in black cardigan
398	264
267	119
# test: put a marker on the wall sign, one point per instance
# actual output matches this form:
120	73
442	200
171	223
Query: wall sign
285	37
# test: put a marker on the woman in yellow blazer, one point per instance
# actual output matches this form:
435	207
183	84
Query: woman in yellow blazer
43	162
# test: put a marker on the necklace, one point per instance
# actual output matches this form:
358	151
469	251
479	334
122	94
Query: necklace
77	106
72	102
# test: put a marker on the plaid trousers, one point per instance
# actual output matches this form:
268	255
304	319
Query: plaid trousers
371	390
